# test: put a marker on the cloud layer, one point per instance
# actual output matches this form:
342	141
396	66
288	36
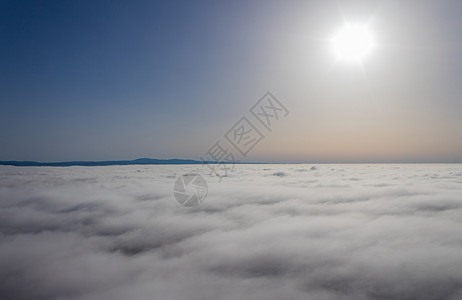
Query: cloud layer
264	232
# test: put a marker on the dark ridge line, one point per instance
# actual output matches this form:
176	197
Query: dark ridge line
139	161
152	161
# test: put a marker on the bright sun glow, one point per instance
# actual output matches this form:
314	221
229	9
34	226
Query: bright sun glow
352	42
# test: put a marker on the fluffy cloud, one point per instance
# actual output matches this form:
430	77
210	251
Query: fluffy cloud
264	232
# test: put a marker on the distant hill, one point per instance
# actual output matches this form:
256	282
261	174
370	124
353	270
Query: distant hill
139	161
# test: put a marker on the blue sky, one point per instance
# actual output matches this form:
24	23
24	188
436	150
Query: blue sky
96	80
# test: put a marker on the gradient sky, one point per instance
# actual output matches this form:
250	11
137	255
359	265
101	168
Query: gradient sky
101	80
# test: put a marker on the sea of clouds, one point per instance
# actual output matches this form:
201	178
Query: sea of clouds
264	232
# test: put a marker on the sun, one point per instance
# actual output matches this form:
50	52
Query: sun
352	42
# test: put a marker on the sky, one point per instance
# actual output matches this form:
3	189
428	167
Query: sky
104	80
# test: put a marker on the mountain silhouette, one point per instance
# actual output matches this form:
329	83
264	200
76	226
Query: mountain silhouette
139	161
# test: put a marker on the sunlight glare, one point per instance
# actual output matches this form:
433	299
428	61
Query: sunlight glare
352	42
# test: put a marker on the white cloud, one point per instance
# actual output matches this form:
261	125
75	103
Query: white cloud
265	232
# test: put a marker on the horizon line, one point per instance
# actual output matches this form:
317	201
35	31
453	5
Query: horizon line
183	161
